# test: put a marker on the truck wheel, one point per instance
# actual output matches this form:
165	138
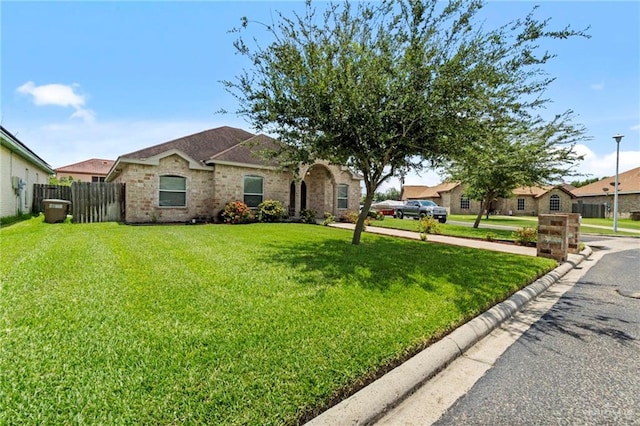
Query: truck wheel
442	220
399	214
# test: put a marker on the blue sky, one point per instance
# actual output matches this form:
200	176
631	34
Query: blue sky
90	79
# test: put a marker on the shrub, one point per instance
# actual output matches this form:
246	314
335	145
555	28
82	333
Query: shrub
237	212
328	219
525	236
271	211
350	217
429	225
308	216
491	236
375	215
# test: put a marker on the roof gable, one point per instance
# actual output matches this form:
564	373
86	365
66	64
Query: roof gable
422	191
93	166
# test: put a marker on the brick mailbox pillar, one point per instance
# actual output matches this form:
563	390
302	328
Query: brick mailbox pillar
573	228
553	236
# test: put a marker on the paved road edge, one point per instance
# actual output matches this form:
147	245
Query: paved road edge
373	401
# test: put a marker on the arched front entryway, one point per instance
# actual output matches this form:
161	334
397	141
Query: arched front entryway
318	190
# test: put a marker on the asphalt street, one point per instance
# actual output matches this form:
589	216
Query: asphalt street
579	364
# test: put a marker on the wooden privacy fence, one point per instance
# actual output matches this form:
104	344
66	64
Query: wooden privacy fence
589	210
90	202
42	192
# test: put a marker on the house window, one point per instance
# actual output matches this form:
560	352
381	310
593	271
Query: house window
173	191
97	179
343	196
464	203
554	203
521	204
253	190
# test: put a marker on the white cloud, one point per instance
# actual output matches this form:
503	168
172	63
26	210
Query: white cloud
597	86
85	114
58	95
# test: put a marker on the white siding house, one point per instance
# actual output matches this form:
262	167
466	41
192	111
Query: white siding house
20	169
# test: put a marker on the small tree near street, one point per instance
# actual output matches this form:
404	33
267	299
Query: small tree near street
507	155
387	87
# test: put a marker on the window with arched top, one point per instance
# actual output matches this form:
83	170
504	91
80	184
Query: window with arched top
173	191
554	203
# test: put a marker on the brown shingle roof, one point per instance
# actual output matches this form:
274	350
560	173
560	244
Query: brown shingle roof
95	166
199	146
247	152
422	191
629	183
534	191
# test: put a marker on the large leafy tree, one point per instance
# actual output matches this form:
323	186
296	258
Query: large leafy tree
387	88
507	154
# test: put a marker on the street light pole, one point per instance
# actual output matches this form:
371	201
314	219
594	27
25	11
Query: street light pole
617	138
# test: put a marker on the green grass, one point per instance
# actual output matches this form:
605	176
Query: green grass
445	229
622	223
533	222
218	324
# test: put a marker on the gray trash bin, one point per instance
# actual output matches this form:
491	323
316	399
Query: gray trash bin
55	210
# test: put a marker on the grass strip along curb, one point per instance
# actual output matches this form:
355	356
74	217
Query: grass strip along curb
372	402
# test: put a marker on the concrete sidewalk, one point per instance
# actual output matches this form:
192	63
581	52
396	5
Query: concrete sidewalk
442	239
370	403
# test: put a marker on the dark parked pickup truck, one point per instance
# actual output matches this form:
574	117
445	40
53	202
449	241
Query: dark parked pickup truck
421	208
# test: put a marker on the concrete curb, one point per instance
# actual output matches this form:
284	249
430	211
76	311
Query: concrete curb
372	402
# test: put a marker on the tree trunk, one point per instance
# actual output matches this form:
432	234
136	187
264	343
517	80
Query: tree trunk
361	218
484	206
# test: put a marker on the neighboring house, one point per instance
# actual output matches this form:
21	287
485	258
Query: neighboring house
525	201
20	169
93	170
448	194
532	201
196	176
602	193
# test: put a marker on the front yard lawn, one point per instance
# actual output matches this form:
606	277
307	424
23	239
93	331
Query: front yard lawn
447	229
218	324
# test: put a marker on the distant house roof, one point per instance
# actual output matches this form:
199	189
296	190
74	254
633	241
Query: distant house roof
416	192
95	166
222	145
13	144
628	183
539	191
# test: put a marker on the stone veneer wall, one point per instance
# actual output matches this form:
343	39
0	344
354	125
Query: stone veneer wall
229	183
565	202
209	190
453	202
530	205
142	191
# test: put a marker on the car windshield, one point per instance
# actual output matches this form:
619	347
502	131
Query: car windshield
427	203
